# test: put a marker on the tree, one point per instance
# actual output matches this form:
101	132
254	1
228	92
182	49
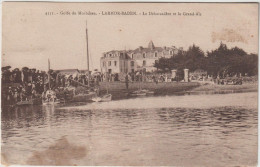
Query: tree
221	61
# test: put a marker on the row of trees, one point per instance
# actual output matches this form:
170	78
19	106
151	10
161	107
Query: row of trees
221	61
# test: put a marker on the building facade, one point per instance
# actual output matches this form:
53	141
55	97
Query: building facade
135	60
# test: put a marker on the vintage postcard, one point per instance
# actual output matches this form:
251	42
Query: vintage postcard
129	84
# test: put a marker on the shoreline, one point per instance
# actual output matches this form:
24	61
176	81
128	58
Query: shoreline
119	91
245	87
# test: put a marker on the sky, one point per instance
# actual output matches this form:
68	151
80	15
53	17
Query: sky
30	37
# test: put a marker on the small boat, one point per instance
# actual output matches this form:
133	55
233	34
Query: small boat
49	98
96	99
50	102
26	102
105	98
83	97
142	92
138	93
148	92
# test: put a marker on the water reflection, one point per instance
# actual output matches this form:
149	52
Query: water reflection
223	135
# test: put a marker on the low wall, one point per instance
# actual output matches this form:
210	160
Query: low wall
118	89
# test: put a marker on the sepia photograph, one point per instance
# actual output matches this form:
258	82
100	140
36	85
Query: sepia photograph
129	84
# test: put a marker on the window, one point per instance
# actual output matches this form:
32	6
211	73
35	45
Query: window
143	55
132	63
144	63
132	56
110	55
109	63
171	52
155	54
115	62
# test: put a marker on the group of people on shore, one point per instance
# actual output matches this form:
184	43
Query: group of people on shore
19	85
25	84
137	77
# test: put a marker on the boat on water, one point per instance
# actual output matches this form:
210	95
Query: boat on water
49	98
32	101
25	102
141	91
105	98
83	97
138	93
91	93
50	102
81	93
148	92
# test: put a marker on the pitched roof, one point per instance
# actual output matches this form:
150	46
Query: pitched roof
115	51
84	71
151	48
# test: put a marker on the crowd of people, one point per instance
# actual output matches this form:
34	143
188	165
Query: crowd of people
19	85
140	77
25	84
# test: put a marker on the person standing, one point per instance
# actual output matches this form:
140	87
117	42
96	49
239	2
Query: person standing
126	81
15	95
9	95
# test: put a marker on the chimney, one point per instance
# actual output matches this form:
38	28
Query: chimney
151	45
164	47
140	48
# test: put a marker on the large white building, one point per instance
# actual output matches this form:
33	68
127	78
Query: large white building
135	60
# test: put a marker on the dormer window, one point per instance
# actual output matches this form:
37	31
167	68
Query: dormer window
155	54
110	55
171	52
132	56
144	55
